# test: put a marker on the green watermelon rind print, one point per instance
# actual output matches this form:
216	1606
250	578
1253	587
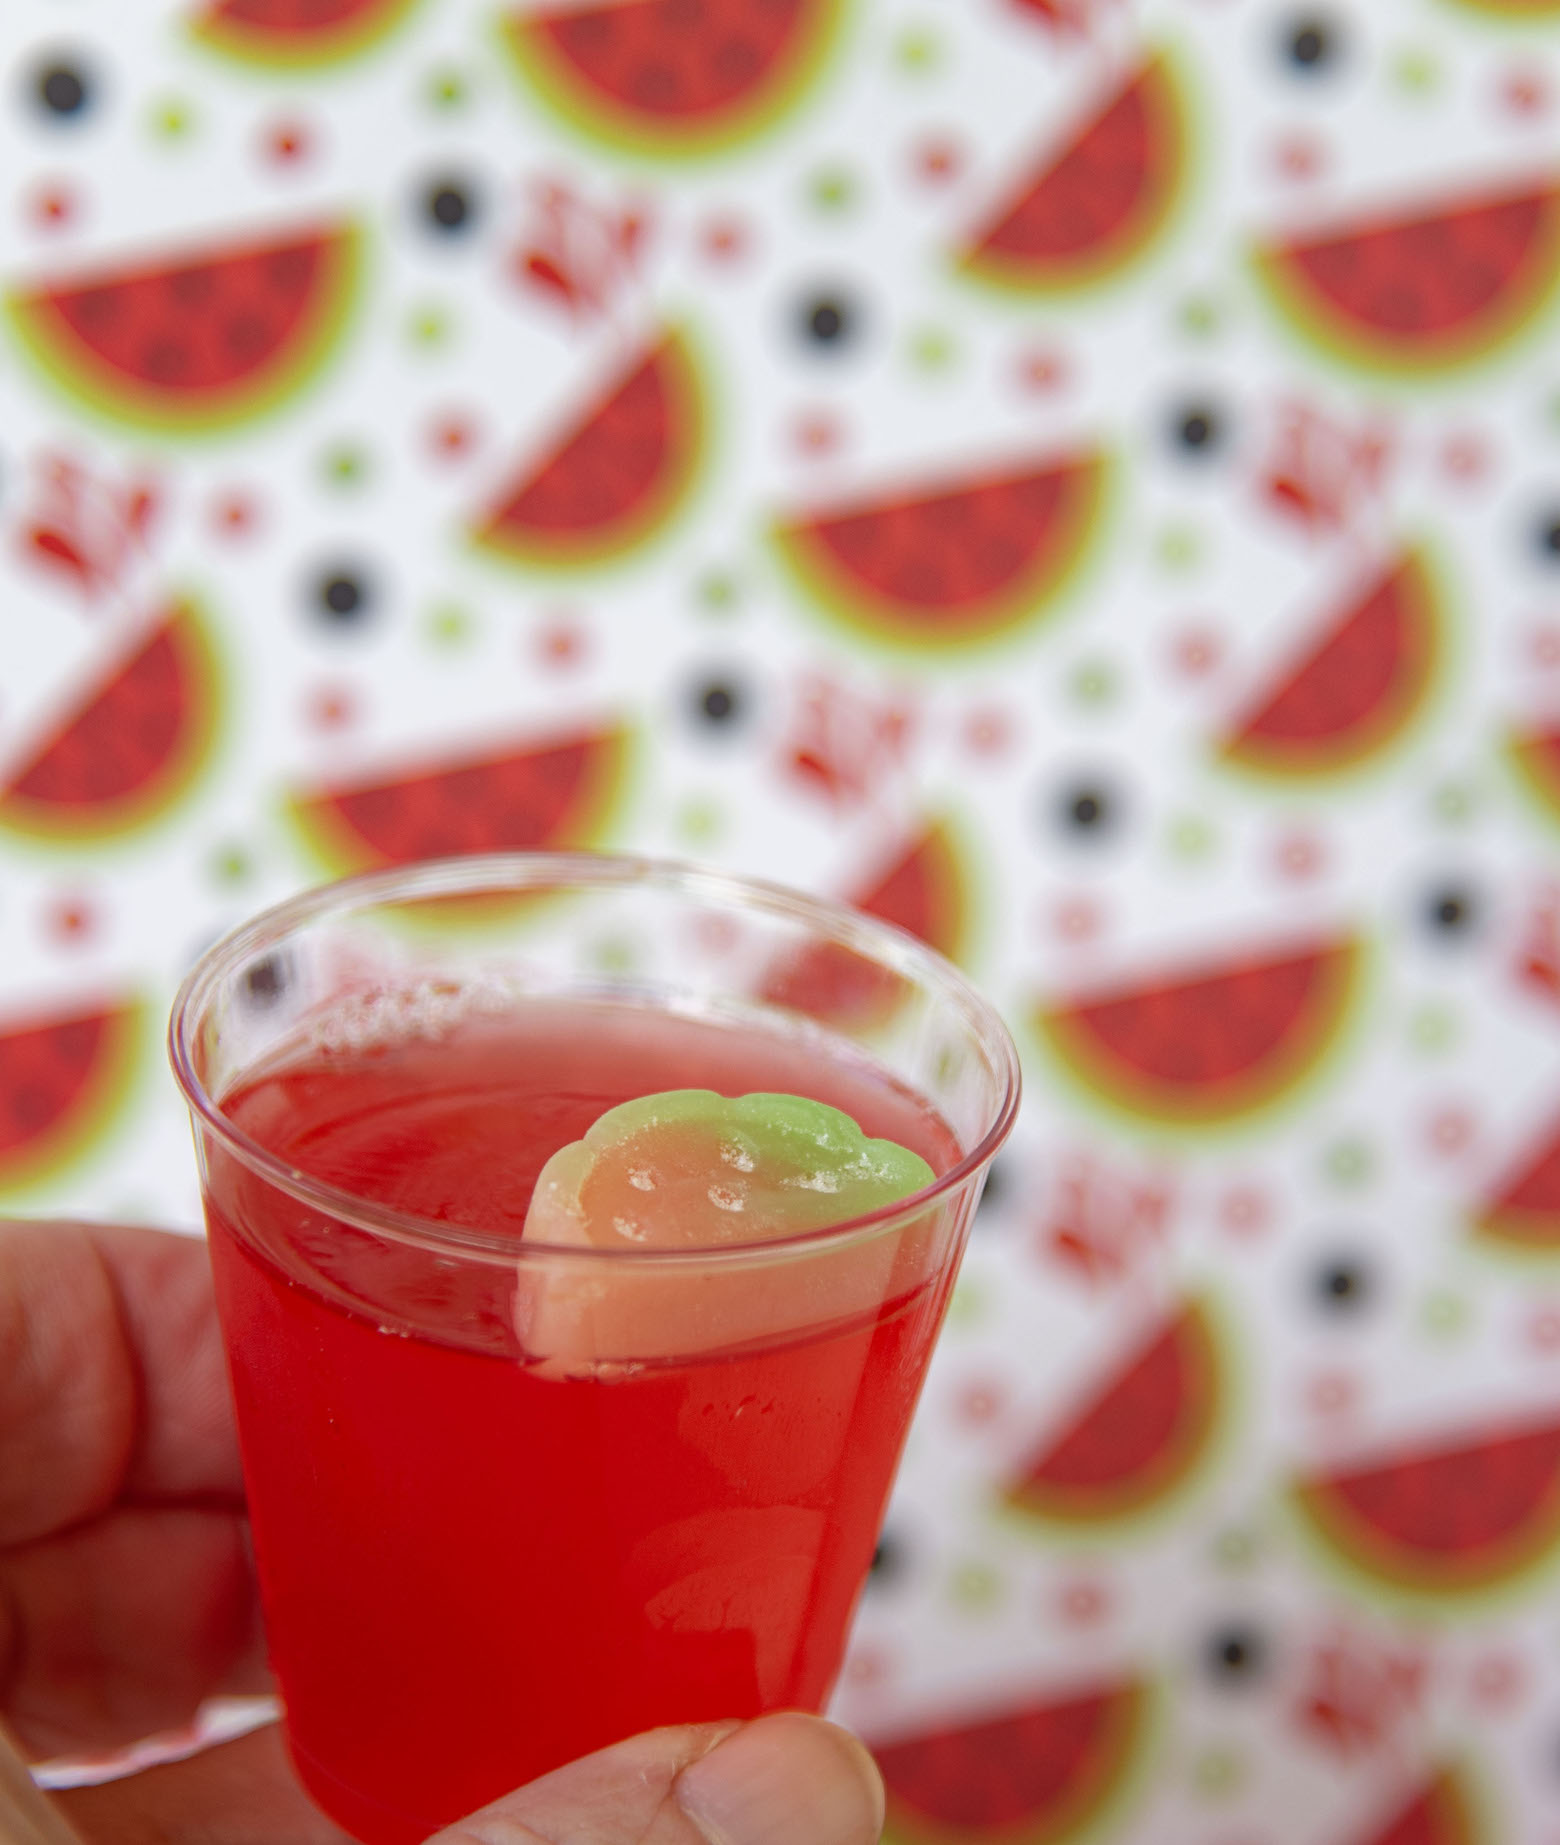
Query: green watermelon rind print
1388	358
49	826
551	82
675	498
298	53
1335	1546
95	1114
1379	748
1509	12
1097	1811
1151	1507
1037	593
1176	185
119	403
1206	1121
1533	773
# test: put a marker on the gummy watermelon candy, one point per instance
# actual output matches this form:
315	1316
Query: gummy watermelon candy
128	747
1136	1437
1354	690
946	567
297	34
538	795
1035	1775
924	889
198	343
1092	209
615	476
1209	1046
63	1078
664	78
1440	1812
1525	1209
1444	1519
1425	291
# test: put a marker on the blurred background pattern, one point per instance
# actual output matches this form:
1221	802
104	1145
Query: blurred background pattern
1081	478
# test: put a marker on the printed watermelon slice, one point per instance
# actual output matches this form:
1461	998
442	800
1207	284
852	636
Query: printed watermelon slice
1353	691
665	78
1208	1047
1514	9
1086	213
198	343
1444	1519
925	889
960	563
615	476
1037	1775
1136	1436
63	1079
1525	1210
297	34
539	795
1424	291
1438	1813
129	747
1536	756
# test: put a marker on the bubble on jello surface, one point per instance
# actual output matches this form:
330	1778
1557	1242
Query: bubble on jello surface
415	1009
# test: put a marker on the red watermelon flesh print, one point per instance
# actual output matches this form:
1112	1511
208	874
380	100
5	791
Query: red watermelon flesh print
539	795
1089	211
1444	1520
925	889
1426	291
1037	1775
127	750
662	77
1356	689
198	343
1137	1436
1525	1210
297	34
1211	1046
62	1081
1439	1813
615	476
962	563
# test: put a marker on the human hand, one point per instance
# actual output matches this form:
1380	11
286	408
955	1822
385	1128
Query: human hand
127	1595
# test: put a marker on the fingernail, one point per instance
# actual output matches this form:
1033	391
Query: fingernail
785	1780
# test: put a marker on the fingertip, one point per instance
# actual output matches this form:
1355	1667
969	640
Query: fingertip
787	1779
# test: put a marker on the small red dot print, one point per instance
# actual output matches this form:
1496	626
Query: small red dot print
452	437
867	1666
1041	371
53	207
988	732
1299	157
1451	1130
1544	1331
1245	1211
561	643
1465	458
1332	1394
234	515
287	143
725	239
1524	93
937	161
1544	644
70	922
817	432
1084	1603
1299	855
716	935
980	1403
1497	1681
1077	919
330	708
1196	652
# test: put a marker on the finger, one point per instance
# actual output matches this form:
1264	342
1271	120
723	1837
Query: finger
240	1793
121	1627
111	1376
781	1780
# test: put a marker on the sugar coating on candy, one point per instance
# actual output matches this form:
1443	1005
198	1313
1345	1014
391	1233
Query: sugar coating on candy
690	1169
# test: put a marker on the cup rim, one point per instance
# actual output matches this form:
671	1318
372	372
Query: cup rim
514	873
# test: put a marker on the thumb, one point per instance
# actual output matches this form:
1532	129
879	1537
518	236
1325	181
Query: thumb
780	1780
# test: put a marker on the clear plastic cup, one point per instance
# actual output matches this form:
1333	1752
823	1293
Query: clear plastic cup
512	1502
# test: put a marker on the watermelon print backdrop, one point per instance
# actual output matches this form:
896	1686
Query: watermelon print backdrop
1081	478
